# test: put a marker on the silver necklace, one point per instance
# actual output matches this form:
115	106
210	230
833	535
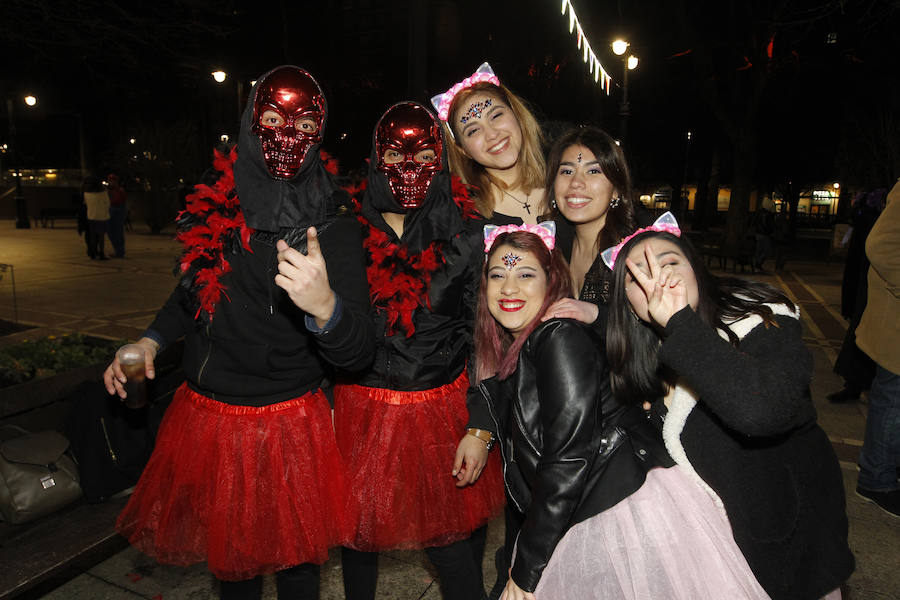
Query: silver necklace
524	204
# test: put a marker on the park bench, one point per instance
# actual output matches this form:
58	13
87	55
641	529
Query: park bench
48	216
41	555
711	246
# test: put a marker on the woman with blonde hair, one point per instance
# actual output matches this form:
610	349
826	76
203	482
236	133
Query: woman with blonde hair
496	147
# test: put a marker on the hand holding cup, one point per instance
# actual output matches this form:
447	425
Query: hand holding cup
126	375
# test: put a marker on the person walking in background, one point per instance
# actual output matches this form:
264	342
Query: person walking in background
96	202
118	211
878	335
853	364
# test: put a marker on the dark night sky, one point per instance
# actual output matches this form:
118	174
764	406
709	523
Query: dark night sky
128	67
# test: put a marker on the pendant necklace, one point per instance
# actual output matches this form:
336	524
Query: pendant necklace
524	204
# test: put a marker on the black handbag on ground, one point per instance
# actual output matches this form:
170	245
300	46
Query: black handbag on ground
37	476
111	442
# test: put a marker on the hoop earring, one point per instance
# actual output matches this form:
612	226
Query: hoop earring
615	202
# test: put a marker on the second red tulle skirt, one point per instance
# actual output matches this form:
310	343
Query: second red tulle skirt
399	449
249	490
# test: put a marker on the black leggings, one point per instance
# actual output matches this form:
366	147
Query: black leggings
297	583
458	566
503	558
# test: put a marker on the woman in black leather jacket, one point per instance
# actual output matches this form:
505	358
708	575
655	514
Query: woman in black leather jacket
575	459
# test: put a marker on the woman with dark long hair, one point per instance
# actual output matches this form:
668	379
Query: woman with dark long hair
588	184
604	518
727	360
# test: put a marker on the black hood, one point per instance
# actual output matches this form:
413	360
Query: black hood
271	204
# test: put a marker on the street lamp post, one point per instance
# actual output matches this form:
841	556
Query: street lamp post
684	199
220	77
22	220
619	47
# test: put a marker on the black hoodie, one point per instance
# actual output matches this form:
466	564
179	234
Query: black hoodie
256	349
437	352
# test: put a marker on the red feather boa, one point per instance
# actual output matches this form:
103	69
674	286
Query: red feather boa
213	220
399	280
213	216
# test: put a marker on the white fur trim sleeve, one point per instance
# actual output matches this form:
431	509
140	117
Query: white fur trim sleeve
683	402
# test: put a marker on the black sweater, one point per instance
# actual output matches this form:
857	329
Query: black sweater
257	349
753	438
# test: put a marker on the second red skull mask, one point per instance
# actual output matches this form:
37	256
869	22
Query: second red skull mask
409	150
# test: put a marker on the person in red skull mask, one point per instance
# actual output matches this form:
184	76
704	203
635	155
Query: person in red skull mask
246	474
399	424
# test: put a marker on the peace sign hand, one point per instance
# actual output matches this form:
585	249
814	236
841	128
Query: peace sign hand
664	288
305	278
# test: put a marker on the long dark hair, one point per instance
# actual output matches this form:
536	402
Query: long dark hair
632	344
620	221
496	352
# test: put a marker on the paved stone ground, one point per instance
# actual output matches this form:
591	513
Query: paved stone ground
60	290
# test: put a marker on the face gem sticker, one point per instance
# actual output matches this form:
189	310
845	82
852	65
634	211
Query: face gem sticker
510	260
579	158
475	110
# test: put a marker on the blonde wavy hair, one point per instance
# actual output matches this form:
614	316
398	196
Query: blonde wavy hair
531	158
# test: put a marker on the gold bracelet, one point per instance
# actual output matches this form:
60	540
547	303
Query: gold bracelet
484	435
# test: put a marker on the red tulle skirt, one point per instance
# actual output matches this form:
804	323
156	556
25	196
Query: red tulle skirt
249	490
399	449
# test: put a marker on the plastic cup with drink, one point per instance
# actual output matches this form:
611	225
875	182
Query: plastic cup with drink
132	362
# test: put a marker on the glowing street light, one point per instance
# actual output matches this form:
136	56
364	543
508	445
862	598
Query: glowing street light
619	47
22	220
219	76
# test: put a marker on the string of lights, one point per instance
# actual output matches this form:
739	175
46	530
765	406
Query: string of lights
594	66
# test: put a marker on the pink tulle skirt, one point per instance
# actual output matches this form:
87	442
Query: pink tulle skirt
399	449
667	540
248	490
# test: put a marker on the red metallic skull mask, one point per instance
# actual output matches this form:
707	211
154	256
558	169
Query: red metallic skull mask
288	117
409	150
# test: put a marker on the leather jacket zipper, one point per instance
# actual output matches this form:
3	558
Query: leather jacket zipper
112	453
509	494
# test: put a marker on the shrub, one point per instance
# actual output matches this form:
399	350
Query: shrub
42	357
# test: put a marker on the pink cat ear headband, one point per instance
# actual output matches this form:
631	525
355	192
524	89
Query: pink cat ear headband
442	102
546	231
666	222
